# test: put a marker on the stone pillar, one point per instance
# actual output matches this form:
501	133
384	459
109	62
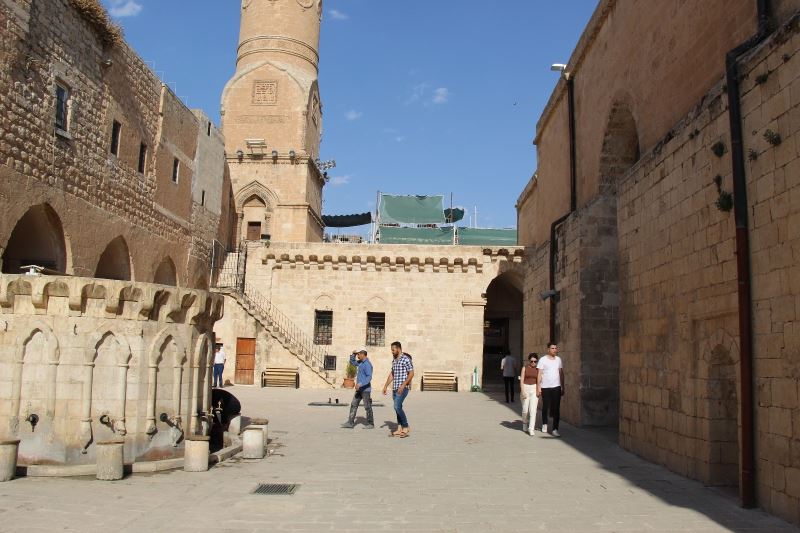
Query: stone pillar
110	465
263	423
235	425
8	459
195	454
253	443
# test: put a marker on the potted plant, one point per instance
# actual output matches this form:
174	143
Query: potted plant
350	376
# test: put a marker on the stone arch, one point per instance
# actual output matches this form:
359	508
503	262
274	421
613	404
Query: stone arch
201	379
167	339
115	261
376	303
254	207
99	336
52	358
38	239
620	144
166	273
324	302
107	370
502	325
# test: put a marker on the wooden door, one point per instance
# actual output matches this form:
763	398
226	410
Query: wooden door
245	361
254	231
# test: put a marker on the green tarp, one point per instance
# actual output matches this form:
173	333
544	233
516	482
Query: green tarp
487	237
411	209
416	235
346	221
452	215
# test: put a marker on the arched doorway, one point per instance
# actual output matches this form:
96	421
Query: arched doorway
502	327
37	239
115	261
255	218
166	273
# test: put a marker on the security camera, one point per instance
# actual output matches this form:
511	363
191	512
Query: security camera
545	295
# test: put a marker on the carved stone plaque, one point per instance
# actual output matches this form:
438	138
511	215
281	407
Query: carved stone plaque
265	93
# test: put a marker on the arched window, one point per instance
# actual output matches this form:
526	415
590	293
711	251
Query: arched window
37	239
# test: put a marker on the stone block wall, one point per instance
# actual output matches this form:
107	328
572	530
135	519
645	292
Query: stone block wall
98	195
74	351
431	297
679	316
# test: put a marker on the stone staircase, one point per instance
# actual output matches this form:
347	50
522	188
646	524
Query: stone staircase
231	282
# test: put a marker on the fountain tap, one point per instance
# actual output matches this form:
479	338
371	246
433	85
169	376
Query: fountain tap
105	420
33	419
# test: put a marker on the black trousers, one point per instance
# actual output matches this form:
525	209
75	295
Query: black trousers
508	383
551	406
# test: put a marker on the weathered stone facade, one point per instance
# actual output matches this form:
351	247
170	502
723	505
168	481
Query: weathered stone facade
69	170
272	120
650	171
84	360
118	190
433	299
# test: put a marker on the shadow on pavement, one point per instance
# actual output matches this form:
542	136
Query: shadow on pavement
601	445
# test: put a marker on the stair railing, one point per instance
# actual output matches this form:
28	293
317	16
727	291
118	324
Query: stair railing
233	278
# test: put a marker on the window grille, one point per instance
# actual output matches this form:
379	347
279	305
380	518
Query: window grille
62	107
376	329
116	133
329	362
323	327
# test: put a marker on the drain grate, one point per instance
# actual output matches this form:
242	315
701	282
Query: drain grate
272	489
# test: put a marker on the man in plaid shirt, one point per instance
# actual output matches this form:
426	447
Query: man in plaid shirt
400	377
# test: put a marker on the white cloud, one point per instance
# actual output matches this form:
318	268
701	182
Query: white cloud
353	114
399	138
125	8
417	92
338	15
338	181
441	95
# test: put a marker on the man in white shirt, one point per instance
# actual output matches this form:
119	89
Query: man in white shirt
510	368
219	365
551	388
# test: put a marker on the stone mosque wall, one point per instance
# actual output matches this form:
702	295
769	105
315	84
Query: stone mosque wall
657	275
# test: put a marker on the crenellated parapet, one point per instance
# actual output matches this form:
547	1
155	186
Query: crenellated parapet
100	298
389	258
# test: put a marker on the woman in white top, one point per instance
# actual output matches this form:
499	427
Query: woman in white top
551	388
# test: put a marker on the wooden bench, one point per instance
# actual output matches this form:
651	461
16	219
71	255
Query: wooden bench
441	381
280	377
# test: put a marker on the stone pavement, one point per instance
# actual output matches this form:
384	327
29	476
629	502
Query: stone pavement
466	467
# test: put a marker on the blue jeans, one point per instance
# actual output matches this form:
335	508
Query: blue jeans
218	375
398	407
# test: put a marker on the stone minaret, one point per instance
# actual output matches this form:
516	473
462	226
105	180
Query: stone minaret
272	121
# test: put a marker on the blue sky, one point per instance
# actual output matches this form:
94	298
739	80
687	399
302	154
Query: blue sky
419	96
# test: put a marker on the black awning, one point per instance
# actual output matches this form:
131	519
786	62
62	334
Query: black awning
346	221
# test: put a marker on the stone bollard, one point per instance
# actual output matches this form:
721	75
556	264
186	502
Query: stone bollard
110	465
253	443
263	423
8	459
195	453
235	425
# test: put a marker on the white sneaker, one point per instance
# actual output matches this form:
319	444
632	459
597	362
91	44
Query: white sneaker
532	432
556	433
544	429
524	428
